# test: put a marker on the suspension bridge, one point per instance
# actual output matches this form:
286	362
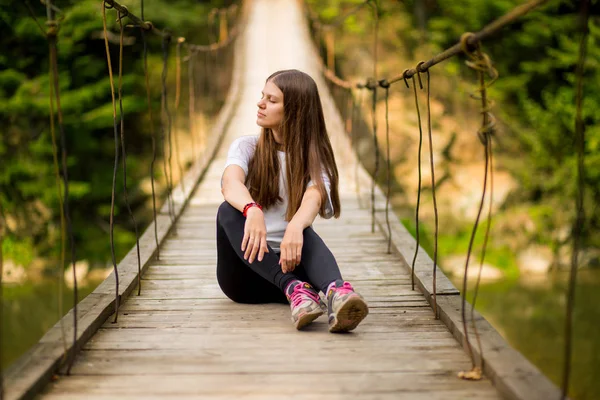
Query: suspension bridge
177	335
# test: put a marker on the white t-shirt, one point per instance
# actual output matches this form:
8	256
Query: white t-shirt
240	153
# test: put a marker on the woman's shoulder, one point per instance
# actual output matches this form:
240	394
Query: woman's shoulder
243	147
246	139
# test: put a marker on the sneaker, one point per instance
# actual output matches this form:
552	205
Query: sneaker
346	308
305	303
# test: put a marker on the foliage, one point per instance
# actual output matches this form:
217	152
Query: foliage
28	192
534	98
536	58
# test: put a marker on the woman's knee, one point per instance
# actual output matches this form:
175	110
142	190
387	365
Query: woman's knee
228	288
226	212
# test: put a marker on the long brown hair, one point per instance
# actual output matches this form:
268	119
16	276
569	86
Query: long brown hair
305	142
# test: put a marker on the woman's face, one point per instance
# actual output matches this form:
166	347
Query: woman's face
270	107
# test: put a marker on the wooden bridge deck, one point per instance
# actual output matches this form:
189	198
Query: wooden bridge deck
183	338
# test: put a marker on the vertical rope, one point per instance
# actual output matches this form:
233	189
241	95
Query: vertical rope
361	103
124	152
417	234
580	214
435	209
376	148
206	92
166	128
116	163
386	85
152	135
481	63
180	41
192	101
61	266
349	111
52	33
375	6
483	249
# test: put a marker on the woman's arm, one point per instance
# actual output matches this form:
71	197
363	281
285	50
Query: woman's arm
236	193
233	188
309	208
291	245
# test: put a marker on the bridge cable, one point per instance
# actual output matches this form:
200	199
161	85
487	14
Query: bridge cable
361	103
349	111
372	85
417	235
385	84
59	197
61	268
144	25
206	88
481	63
152	134
473	39
580	212
456	49
180	41
54	81
32	14
166	128
483	251
124	151
320	27
435	208
192	101
106	5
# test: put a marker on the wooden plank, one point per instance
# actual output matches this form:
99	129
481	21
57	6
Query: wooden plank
284	385
145	362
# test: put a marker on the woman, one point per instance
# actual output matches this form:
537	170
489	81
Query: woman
274	185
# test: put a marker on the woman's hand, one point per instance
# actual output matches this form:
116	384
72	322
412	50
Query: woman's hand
255	235
291	247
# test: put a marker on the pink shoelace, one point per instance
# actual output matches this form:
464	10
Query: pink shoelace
346	288
299	293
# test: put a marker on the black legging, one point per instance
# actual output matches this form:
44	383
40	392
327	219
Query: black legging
263	281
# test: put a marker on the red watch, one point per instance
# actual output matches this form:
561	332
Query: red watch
250	205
